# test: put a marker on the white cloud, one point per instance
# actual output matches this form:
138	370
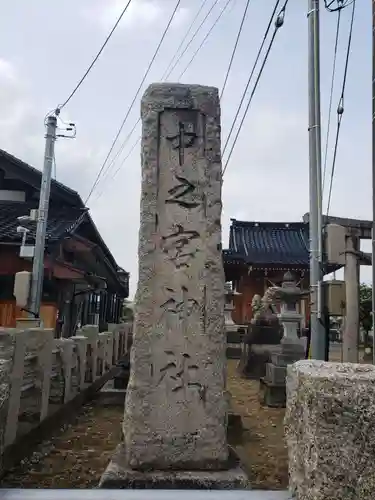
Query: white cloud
16	109
140	14
6	70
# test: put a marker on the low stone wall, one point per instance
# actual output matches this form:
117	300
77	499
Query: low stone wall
39	374
330	430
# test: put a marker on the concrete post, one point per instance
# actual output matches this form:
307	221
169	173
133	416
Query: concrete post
351	332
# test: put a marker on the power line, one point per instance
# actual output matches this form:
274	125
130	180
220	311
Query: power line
251	74
331	96
96	57
340	108
165	75
278	23
235	48
134	99
185	37
341	4
205	38
121	164
168	71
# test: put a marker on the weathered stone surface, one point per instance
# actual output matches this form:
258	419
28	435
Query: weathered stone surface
330	430
282	359
294	347
37	372
262	334
272	395
254	359
175	414
275	374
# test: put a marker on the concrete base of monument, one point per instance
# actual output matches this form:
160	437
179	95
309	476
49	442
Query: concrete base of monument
119	476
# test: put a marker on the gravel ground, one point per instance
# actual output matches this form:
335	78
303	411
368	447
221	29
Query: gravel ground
261	446
78	454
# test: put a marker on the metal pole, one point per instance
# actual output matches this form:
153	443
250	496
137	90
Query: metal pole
373	179
315	219
38	262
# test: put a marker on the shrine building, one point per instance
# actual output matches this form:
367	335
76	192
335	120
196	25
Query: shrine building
259	255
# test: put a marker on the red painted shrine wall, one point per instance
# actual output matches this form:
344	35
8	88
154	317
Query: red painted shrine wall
257	283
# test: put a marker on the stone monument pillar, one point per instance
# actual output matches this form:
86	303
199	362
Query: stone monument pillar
176	410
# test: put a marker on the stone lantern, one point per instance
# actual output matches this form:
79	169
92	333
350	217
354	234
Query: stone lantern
289	316
233	331
292	349
229	306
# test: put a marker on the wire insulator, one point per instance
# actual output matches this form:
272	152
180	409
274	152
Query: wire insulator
280	19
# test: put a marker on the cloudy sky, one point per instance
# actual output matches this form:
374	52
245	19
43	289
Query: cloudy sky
45	46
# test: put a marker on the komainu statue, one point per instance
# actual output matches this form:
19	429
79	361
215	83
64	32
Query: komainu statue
264	333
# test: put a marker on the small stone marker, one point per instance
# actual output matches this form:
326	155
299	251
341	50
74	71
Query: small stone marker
330	430
176	409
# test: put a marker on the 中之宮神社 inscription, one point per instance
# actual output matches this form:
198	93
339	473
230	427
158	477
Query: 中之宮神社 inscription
175	412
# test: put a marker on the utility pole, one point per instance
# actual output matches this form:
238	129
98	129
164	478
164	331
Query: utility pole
40	239
315	180
373	179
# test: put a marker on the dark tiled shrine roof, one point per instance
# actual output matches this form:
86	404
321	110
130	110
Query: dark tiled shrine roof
60	221
272	243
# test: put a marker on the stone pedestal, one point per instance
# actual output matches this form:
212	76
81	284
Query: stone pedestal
272	391
235	336
25	323
329	429
257	347
176	412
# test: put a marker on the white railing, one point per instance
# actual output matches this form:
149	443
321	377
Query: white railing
39	374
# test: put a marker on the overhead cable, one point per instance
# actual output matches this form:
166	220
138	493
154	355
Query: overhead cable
121	164
205	38
340	108
278	23
166	74
265	36
61	106
340	4
235	48
331	96
251	74
134	99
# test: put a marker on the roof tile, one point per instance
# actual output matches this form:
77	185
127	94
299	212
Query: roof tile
270	243
60	221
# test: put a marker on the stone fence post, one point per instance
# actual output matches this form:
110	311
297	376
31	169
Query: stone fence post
92	333
81	345
65	348
12	349
39	343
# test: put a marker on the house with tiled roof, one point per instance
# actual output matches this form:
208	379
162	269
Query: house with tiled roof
259	255
82	281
